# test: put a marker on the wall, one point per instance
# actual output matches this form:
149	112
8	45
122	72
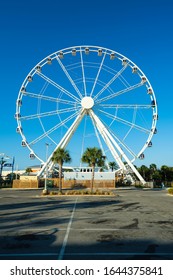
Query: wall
97	183
65	183
87	175
26	184
84	183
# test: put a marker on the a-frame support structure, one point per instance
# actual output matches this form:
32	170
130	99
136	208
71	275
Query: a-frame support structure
116	151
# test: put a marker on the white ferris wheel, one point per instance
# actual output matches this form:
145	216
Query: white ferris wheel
86	96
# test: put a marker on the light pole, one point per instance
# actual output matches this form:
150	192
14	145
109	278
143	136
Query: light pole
45	191
2	161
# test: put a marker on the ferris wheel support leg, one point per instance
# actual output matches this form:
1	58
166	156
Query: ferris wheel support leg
63	143
130	164
101	129
108	136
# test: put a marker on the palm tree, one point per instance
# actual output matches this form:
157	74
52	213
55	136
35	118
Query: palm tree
94	157
60	156
113	165
153	169
144	170
2	161
165	172
28	170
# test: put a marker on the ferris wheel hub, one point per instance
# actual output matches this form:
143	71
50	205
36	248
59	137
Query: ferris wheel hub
87	102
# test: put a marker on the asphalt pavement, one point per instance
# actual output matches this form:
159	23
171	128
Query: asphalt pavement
133	224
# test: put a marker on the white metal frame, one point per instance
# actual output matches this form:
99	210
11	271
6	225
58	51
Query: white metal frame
78	107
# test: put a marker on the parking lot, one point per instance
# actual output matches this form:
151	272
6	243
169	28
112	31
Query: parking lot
133	224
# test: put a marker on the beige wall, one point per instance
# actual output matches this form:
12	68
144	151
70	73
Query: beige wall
33	183
26	184
28	178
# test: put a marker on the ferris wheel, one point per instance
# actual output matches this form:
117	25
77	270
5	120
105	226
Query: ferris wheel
86	96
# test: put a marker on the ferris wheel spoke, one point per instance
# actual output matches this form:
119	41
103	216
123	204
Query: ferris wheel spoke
98	73
58	86
131	124
68	76
64	141
119	92
111	81
48	98
128	132
66	110
106	137
119	141
113	144
41	115
99	141
126	106
46	114
46	133
83	73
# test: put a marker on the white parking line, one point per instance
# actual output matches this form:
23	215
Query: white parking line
61	254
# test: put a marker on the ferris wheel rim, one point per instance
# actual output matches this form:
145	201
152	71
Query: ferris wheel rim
81	49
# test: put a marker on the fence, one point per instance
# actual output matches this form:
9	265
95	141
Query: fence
25	184
54	182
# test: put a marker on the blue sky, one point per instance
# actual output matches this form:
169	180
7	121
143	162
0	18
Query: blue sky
140	30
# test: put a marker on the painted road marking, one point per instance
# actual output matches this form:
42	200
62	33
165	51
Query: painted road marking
61	254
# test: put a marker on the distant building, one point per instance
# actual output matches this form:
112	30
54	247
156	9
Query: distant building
6	172
69	173
85	173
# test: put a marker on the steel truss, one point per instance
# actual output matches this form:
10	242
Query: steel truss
113	146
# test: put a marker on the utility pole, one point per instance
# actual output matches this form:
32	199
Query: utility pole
2	161
45	191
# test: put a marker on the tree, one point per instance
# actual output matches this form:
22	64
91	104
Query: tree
12	176
157	177
144	171
113	165
60	156
94	157
164	171
28	170
153	169
164	174
167	173
2	161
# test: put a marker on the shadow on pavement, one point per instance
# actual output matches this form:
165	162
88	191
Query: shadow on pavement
41	246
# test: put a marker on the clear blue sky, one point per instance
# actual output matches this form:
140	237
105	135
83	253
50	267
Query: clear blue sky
141	30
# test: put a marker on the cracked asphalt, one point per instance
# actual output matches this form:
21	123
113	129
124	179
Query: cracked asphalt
133	224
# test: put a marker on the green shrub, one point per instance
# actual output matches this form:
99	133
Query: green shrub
140	186
53	193
67	192
170	191
80	192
